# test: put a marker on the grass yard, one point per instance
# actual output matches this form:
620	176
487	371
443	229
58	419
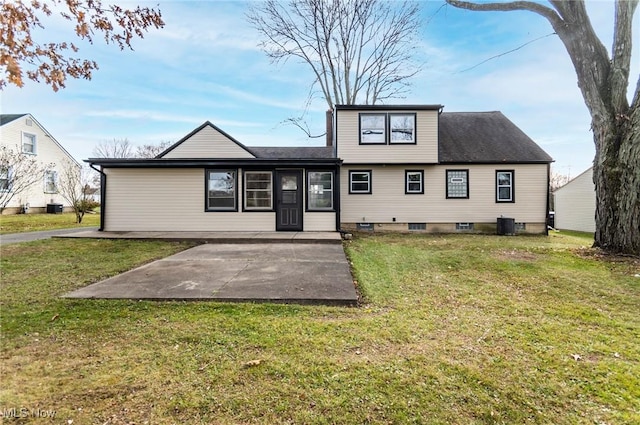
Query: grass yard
18	223
454	329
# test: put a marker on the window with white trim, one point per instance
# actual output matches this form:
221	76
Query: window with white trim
5	179
51	182
28	143
221	190
258	193
360	182
458	184
414	182
320	190
504	186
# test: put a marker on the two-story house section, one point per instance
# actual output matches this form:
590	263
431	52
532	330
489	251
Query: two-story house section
416	168
23	134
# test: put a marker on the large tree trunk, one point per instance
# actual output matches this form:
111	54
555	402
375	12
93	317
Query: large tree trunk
603	81
616	174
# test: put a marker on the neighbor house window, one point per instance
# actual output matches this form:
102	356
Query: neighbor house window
373	129
221	190
457	183
51	182
28	143
414	181
258	194
360	181
5	183
504	186
320	190
402	128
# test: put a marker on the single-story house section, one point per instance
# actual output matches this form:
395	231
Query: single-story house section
396	168
575	204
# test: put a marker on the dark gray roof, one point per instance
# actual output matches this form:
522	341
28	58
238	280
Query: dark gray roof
7	118
282	152
485	137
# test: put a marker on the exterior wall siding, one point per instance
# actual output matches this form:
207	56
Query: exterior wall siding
174	200
388	199
350	151
575	204
208	143
47	152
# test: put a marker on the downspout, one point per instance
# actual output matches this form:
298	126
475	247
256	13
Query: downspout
336	194
103	195
546	221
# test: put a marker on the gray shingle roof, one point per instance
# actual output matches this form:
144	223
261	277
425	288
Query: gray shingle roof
282	152
7	118
487	137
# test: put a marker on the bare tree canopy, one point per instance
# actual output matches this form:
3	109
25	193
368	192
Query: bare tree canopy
115	148
360	51
18	173
151	150
54	62
603	79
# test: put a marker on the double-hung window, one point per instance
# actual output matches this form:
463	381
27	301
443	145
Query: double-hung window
5	179
258	193
28	143
458	184
360	181
51	182
504	186
221	190
414	182
320	190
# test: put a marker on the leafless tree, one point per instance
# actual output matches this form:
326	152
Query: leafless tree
359	51
18	173
115	148
72	183
54	61
151	150
603	80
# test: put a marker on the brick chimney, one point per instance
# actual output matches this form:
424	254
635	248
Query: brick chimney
330	127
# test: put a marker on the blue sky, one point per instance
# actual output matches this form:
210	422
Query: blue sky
205	65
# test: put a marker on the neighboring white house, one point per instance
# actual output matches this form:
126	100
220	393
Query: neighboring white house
391	167
23	133
575	204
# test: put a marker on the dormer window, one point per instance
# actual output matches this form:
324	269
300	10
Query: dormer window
387	128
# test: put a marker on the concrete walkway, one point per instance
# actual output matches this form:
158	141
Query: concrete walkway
46	234
302	273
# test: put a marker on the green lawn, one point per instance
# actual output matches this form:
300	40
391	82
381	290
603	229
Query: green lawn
453	329
17	223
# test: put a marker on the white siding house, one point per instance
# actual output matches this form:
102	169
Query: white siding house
23	134
575	204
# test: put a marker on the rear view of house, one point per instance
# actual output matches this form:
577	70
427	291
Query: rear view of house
384	168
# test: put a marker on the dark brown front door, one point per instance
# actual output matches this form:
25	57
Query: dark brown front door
289	200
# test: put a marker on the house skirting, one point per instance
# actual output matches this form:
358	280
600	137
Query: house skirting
479	227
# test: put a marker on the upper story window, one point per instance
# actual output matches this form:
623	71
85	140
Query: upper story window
458	184
360	181
504	186
387	128
221	190
28	143
51	182
403	128
257	190
320	191
373	129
